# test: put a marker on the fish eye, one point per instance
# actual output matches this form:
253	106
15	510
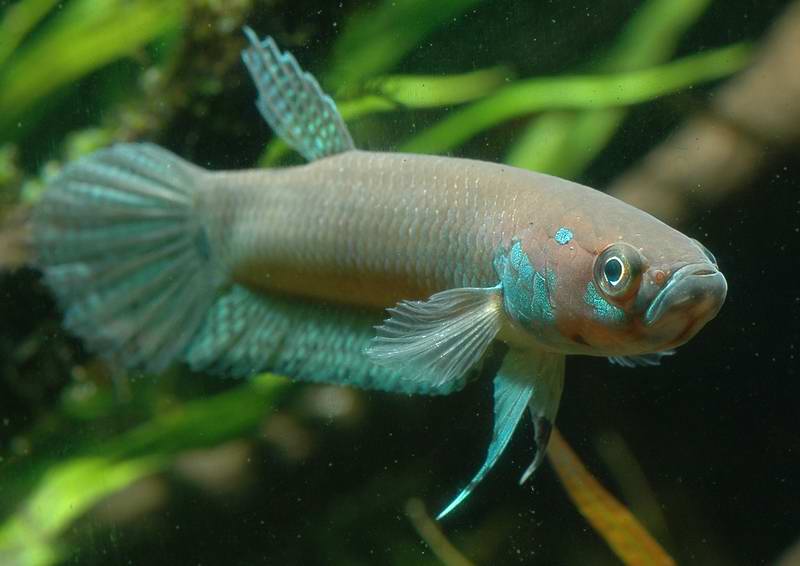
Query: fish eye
617	271
706	252
614	270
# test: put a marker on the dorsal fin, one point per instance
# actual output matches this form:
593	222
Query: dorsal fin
292	102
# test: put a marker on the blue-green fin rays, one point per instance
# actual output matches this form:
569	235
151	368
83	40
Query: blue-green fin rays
245	333
549	384
123	249
642	360
442	338
292	102
526	379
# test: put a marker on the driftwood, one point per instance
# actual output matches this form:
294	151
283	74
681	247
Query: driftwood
752	119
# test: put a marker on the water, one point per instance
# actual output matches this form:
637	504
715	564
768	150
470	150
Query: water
100	466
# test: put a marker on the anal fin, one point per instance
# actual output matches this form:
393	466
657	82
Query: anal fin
245	333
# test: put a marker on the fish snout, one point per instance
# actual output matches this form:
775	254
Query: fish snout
696	291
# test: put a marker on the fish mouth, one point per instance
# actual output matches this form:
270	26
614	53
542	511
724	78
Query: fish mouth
699	289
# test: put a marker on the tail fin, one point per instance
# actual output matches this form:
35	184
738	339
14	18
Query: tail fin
123	248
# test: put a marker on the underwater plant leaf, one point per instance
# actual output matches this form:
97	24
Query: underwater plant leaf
81	39
652	33
429	91
18	20
577	92
565	143
626	536
65	489
394	92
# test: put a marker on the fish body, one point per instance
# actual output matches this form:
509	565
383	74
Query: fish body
156	260
373	229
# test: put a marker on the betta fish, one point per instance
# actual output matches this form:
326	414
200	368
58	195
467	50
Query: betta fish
155	260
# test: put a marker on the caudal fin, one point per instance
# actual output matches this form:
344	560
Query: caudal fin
125	252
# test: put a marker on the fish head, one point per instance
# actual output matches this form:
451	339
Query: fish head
628	286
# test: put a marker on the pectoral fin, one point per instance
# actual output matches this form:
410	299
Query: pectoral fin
526	378
443	337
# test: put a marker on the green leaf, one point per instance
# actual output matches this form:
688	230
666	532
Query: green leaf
565	143
374	41
65	489
85	36
18	20
577	92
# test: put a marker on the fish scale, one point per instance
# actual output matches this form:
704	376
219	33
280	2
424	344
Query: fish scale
335	218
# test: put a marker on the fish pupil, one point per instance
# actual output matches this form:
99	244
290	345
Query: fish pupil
613	270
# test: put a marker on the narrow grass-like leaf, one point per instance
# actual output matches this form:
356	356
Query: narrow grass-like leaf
18	20
577	92
374	40
565	143
429	91
70	47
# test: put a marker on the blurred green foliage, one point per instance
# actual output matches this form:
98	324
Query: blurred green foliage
66	489
376	39
604	91
565	143
83	36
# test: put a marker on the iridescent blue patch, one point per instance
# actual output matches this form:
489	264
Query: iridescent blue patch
526	291
542	309
521	262
603	310
563	236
